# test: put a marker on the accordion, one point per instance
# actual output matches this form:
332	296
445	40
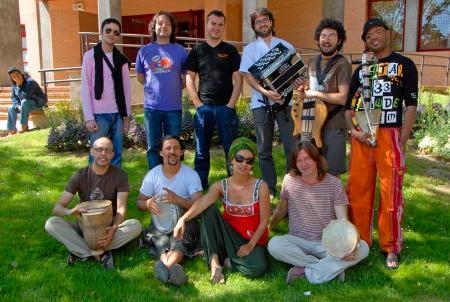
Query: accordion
278	69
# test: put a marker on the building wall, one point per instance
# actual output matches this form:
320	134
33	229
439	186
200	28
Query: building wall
295	21
11	42
29	16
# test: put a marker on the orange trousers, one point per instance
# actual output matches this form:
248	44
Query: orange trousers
388	162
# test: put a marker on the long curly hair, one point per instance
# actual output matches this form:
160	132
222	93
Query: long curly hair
152	25
333	24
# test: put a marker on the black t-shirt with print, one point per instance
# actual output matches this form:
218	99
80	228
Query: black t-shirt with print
215	66
394	82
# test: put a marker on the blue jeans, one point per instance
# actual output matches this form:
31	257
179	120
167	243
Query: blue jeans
109	125
207	118
158	123
26	107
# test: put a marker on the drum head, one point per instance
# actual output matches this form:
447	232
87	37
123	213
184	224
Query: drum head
340	238
167	219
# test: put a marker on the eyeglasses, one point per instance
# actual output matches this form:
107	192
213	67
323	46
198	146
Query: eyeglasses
261	21
101	150
330	36
109	30
248	160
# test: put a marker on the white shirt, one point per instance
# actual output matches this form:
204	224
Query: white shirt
185	183
252	53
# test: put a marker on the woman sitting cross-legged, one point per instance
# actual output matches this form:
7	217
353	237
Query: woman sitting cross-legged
238	238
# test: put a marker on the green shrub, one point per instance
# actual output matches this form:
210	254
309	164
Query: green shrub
432	129
67	131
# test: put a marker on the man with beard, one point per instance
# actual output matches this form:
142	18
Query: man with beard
393	82
267	105
329	77
217	65
174	183
98	181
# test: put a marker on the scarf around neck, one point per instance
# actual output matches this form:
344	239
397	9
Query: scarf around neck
119	59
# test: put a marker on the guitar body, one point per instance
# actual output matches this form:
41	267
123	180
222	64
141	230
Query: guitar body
309	116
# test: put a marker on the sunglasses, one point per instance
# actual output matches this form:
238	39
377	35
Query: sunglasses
248	160
109	30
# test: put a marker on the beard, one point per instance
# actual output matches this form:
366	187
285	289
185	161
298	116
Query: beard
264	32
328	53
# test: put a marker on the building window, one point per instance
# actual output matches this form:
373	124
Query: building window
393	13
435	25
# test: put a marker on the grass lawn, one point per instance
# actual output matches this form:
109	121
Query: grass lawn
33	265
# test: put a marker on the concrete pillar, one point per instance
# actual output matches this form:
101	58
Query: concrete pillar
46	38
410	39
334	9
109	9
249	7
11	45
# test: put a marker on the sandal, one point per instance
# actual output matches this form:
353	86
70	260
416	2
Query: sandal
217	276
392	261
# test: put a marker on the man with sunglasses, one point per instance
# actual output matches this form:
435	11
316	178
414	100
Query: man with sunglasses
173	183
105	90
267	106
98	181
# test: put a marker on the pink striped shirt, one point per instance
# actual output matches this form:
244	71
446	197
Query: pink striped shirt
311	206
107	103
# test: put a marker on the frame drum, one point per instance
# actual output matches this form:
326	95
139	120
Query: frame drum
168	216
95	220
340	237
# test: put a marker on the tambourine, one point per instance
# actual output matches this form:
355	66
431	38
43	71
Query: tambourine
168	216
340	237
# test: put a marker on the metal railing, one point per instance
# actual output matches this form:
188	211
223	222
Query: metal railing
86	42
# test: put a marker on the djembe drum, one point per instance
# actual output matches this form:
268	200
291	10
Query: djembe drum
95	220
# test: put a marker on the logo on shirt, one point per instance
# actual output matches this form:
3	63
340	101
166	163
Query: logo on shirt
161	64
97	194
222	55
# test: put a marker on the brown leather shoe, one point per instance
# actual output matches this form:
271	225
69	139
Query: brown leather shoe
24	129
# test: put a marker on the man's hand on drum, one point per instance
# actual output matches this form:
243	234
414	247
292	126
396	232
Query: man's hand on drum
152	206
170	197
178	231
350	257
104	241
77	210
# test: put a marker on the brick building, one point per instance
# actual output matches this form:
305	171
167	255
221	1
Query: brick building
52	26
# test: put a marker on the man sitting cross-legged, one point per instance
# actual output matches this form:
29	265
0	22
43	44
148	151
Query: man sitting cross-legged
313	198
98	181
170	183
